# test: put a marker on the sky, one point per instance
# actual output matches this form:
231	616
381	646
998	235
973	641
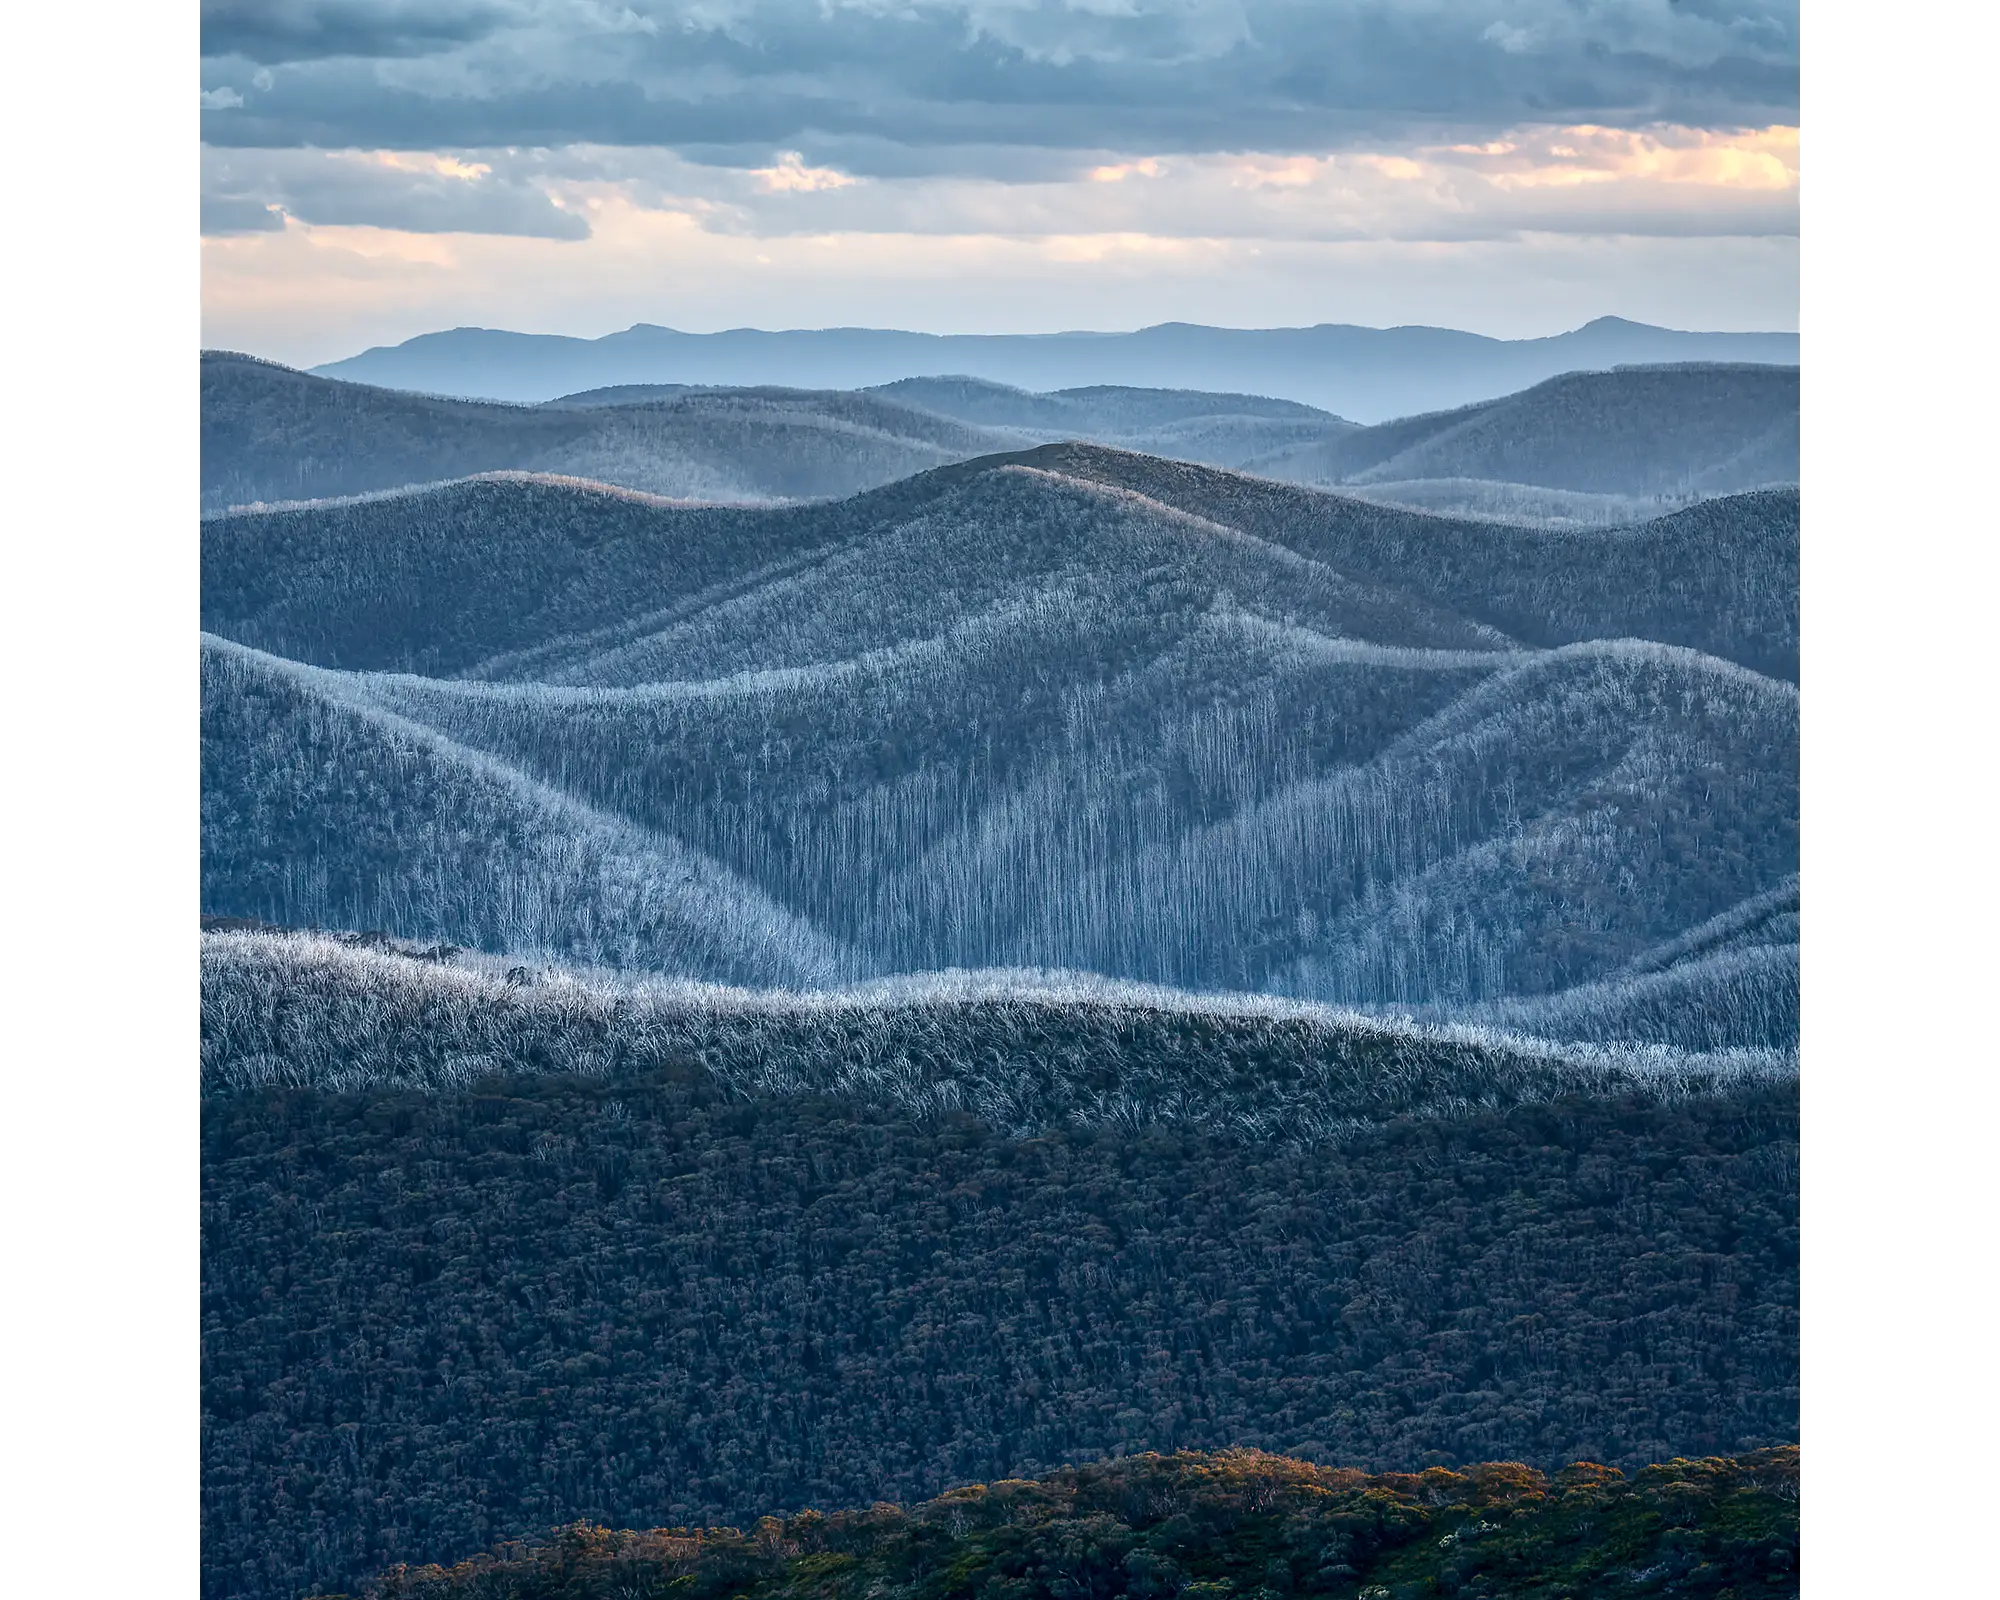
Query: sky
375	169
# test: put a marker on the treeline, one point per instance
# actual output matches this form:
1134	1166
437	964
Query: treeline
1024	1052
436	1318
1239	1523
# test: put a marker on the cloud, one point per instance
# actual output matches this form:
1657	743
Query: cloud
413	192
312	30
794	143
1666	181
789	174
226	214
977	77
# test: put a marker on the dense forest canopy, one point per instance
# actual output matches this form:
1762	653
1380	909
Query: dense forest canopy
532	1261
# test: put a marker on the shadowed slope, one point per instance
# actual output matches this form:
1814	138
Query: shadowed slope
320	809
443	579
270	433
437	579
1721	577
1633	431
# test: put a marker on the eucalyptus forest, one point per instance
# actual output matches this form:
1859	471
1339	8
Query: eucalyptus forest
970	993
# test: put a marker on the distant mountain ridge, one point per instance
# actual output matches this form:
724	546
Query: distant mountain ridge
1580	449
1364	374
273	433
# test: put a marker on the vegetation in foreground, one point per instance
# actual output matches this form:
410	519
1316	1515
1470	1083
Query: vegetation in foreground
1239	1523
433	1320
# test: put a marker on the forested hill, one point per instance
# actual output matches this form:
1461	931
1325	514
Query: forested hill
487	1251
441	579
1237	1523
1587	442
1587	448
1070	708
269	433
272	434
1690	429
1011	957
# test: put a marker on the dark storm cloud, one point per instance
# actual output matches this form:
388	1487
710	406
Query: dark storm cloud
271	31
974	84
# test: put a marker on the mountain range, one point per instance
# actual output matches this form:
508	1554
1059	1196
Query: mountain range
1067	708
1586	448
920	935
1365	374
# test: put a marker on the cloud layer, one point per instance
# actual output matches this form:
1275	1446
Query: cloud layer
964	79
1000	136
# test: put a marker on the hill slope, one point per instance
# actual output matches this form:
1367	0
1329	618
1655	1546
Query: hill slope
1367	374
1346	827
1234	1522
1052	710
1720	577
552	1257
1635	431
1220	430
321	809
1591	447
441	580
270	433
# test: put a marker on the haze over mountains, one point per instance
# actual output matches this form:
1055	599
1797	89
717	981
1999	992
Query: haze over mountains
1364	374
1587	448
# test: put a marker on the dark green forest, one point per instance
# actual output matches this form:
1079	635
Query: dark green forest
437	1320
1240	1523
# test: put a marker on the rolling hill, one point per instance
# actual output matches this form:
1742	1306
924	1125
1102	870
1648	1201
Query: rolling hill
1218	430
1226	1522
1073	708
1366	374
1595	448
1634	431
489	1252
324	809
270	433
273	434
450	577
